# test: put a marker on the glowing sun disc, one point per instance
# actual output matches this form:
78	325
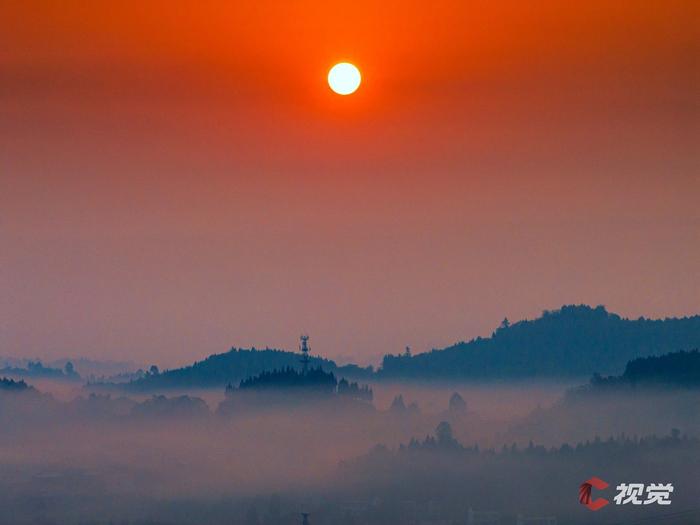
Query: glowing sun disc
344	78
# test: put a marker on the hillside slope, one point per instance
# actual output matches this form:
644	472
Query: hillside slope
218	370
571	341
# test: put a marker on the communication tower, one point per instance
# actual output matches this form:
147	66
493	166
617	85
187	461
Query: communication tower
304	349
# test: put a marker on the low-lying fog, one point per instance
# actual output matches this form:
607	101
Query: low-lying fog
69	458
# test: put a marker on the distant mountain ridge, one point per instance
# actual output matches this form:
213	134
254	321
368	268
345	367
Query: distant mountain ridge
573	341
35	369
84	366
576	340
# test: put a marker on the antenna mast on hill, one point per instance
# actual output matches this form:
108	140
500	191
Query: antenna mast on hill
304	349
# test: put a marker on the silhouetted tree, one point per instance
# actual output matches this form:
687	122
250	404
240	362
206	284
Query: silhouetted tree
457	404
12	385
443	433
69	369
397	405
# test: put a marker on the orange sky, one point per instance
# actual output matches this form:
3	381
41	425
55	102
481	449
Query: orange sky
178	178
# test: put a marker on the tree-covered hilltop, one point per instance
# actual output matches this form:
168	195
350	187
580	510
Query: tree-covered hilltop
36	369
218	370
314	380
652	393
679	368
571	341
674	370
289	378
10	385
291	388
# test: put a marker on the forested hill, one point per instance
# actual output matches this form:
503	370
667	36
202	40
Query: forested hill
218	370
574	341
571	341
674	370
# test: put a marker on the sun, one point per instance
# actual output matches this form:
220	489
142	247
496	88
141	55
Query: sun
344	78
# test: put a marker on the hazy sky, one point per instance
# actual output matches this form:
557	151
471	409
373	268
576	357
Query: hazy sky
177	178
